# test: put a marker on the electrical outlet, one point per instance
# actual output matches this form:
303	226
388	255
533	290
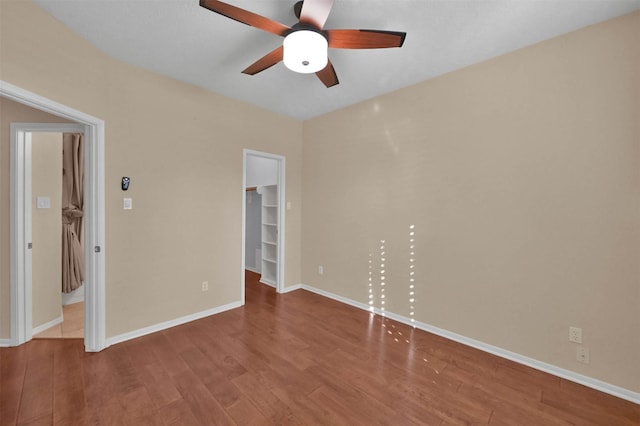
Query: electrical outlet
320	269
582	355
205	286
575	334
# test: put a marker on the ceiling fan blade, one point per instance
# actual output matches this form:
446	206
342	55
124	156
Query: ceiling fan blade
315	12
268	60
246	17
364	39
328	75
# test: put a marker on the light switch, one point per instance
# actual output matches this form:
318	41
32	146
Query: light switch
43	202
127	203
288	205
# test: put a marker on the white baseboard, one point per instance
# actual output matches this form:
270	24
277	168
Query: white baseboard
249	268
48	325
73	300
292	288
172	323
269	283
599	385
5	343
76	296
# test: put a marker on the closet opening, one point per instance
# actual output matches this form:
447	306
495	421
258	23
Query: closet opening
263	218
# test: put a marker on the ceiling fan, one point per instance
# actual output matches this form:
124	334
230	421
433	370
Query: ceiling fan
306	43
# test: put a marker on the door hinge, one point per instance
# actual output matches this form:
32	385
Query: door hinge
29	246
96	249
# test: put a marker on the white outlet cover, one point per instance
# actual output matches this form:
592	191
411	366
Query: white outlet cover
127	203
582	355
43	202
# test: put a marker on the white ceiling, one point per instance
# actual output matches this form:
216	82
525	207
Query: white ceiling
180	39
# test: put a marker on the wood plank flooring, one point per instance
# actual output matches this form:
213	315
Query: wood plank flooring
292	359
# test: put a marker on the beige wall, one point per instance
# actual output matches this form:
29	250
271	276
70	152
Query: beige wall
10	112
181	146
521	176
46	180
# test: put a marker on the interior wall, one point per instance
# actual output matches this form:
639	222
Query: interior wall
181	146
521	179
46	181
261	171
11	112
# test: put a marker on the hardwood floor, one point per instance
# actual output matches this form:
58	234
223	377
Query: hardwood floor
296	358
71	328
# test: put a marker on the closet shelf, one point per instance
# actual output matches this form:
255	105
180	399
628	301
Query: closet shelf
269	234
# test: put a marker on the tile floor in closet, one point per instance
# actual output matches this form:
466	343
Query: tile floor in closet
71	328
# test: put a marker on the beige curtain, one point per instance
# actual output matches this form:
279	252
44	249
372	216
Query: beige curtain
72	211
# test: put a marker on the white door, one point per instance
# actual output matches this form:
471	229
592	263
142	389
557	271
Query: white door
21	243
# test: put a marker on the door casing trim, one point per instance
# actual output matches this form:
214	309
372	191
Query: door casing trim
95	250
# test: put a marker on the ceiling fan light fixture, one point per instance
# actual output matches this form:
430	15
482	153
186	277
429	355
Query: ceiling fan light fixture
305	51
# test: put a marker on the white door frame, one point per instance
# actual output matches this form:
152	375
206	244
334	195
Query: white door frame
281	214
93	129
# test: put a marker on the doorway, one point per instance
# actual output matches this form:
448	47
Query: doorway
21	262
56	230
264	173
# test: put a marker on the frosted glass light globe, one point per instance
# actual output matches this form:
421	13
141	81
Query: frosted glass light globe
305	51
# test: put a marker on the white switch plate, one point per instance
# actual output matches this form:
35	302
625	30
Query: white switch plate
127	203
43	202
288	205
575	334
